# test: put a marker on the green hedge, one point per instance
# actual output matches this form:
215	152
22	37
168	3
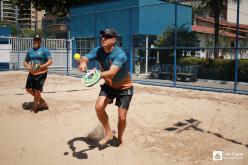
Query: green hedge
217	69
243	70
192	61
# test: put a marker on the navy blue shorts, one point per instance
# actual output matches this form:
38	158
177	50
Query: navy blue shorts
36	82
123	97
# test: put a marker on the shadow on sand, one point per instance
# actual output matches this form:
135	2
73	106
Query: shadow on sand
92	144
193	124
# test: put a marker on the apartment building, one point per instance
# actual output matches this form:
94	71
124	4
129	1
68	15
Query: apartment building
55	27
7	11
26	19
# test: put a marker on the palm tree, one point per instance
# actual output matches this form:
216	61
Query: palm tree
216	7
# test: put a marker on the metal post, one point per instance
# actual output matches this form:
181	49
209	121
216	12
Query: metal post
67	46
97	39
17	37
175	47
131	43
236	48
157	57
147	40
45	33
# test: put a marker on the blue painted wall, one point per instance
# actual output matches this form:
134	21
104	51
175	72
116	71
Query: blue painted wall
87	20
155	17
127	17
4	32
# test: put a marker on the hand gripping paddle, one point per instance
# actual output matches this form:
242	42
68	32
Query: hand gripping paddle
90	77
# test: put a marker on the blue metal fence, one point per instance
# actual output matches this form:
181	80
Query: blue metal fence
183	59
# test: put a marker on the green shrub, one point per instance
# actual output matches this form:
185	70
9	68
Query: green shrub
217	69
192	61
243	70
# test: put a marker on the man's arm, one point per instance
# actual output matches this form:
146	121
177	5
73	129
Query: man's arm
26	65
48	63
83	63
109	74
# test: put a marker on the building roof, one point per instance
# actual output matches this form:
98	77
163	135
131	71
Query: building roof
209	30
222	22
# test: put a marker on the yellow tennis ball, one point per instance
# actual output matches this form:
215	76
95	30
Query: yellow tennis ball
77	56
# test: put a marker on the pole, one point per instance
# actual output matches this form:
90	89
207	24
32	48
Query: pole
67	46
236	49
146	54
17	37
45	33
130	44
175	47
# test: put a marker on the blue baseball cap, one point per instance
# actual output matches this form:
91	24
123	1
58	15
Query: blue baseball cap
110	32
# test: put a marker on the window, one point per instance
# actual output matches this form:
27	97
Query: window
140	40
84	45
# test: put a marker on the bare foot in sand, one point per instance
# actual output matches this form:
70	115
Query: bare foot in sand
119	143
107	138
42	105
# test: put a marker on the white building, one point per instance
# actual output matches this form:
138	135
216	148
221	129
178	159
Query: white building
204	27
232	12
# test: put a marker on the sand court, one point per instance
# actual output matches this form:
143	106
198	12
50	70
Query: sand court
164	125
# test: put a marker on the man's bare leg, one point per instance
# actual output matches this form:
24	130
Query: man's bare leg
42	102
100	106
122	114
37	99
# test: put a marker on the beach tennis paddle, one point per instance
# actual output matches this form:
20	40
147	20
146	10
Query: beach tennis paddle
35	65
90	77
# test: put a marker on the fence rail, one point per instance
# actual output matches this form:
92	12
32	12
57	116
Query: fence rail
18	48
187	56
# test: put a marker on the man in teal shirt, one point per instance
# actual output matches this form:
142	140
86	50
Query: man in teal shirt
36	62
118	85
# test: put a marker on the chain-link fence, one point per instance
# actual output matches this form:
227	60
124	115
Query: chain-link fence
178	43
195	58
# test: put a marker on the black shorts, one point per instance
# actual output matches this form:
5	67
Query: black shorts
36	81
123	97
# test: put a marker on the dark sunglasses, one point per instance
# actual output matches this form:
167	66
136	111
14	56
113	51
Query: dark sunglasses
106	36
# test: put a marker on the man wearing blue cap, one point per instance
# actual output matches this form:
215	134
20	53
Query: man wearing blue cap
36	62
118	85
